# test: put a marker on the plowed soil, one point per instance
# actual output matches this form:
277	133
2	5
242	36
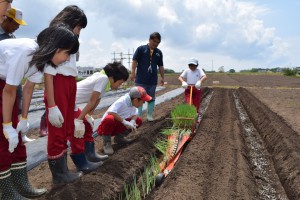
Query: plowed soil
246	147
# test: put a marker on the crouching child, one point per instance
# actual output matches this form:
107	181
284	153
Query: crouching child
121	118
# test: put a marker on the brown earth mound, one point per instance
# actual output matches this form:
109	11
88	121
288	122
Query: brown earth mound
223	161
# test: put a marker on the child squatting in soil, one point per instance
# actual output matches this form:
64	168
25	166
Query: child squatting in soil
90	90
122	117
191	79
25	58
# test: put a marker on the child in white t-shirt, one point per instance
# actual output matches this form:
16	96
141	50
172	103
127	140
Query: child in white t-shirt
25	58
90	90
121	117
191	79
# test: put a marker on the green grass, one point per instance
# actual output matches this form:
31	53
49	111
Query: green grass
183	116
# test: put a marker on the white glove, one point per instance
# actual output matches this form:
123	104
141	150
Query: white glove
184	84
128	124
55	117
23	126
12	136
79	128
90	120
198	85
134	124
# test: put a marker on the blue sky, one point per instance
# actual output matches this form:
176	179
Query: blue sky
231	33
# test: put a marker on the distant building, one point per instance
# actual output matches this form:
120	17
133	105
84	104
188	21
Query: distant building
298	69
84	72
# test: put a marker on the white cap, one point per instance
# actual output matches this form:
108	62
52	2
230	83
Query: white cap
193	61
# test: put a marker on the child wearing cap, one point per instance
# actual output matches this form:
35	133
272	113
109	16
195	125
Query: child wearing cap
121	117
191	79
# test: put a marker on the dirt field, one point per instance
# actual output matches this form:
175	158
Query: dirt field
247	147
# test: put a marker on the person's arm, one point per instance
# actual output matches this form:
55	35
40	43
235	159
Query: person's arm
91	105
49	89
26	97
55	117
116	116
162	75
133	69
181	79
203	78
8	101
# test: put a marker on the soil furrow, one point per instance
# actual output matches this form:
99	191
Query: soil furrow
281	141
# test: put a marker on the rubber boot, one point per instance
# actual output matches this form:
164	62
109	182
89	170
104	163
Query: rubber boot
60	171
108	150
91	155
82	164
43	126
121	138
140	109
7	189
26	139
150	109
21	182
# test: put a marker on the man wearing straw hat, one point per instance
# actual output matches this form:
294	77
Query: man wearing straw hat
14	19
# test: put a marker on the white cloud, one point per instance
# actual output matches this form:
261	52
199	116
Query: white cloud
231	32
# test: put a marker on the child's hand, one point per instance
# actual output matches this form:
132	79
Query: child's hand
55	117
128	124
198	85
79	128
184	84
90	120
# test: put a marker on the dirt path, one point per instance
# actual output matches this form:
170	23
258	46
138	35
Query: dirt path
235	155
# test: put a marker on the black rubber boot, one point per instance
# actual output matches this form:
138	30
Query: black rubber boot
90	153
21	182
82	164
60	171
7	189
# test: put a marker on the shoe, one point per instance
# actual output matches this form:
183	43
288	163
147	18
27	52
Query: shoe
7	188
21	182
150	118
91	155
26	139
82	164
60	171
108	150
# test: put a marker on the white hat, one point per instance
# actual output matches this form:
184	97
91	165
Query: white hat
16	15
193	61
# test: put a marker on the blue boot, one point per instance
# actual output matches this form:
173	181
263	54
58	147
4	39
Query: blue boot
82	164
151	105
140	110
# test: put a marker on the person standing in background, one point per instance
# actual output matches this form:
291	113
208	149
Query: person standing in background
146	59
191	80
14	19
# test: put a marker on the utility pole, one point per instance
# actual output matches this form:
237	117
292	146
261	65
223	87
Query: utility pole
129	58
212	65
